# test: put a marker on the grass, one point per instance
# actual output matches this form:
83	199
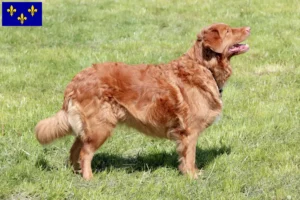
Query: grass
252	153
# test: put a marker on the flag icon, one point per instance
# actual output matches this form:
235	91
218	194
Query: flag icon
22	13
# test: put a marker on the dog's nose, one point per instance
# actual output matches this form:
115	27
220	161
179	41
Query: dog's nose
248	29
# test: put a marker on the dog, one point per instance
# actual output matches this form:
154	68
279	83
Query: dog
177	100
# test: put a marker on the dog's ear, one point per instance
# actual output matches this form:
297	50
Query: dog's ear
212	38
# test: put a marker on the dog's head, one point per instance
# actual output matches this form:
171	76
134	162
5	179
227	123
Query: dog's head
214	47
223	39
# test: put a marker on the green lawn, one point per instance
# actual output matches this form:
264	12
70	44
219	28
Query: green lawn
252	153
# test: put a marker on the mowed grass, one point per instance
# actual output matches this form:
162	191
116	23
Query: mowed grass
252	153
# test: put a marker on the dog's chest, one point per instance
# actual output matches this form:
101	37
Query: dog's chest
202	109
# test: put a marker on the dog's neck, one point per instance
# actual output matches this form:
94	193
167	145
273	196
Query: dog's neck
217	63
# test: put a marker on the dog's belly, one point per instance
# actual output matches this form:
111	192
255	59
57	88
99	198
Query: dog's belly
149	122
146	128
155	120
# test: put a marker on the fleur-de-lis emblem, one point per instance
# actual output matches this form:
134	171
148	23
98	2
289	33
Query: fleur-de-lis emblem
32	10
11	10
22	18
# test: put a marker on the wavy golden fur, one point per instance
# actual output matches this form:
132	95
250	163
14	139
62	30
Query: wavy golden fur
177	100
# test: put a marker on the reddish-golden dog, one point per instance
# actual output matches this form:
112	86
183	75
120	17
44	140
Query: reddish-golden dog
177	100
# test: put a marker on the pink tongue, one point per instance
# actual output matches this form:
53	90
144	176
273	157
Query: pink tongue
234	49
238	47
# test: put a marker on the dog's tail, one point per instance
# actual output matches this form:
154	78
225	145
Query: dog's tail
53	127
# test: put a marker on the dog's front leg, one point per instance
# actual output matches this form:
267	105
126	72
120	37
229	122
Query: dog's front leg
186	148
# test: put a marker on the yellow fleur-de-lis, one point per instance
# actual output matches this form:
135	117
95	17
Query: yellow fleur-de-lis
22	18
32	10
11	10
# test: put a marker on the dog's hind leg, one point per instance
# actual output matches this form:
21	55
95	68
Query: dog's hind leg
93	140
74	154
92	125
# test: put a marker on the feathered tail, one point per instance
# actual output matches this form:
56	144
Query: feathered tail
53	127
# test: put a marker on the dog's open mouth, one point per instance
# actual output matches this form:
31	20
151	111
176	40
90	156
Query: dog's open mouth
239	48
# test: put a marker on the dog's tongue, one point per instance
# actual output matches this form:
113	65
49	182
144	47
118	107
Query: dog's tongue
239	48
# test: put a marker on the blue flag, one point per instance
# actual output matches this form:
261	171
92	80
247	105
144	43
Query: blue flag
22	13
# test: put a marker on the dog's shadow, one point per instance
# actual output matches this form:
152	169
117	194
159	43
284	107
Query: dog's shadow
151	162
